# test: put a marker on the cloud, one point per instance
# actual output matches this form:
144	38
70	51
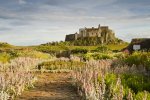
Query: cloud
22	1
5	29
50	20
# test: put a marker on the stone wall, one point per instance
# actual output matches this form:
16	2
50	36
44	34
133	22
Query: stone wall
70	37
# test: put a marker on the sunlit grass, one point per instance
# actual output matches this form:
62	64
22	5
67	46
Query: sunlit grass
117	46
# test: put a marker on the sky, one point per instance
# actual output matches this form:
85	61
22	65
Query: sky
33	22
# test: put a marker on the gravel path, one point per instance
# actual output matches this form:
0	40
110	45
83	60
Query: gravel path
51	86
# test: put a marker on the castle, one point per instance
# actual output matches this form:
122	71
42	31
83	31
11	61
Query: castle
102	32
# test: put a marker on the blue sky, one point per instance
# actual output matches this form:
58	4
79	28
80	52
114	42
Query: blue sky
30	22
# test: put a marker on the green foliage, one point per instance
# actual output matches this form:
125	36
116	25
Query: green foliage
4	57
33	54
137	83
63	46
50	49
58	48
61	43
139	58
110	79
79	50
142	96
102	56
5	45
97	56
120	55
117	47
102	49
113	85
7	56
13	53
54	65
87	56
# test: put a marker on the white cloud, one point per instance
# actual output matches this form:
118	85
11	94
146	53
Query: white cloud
36	20
22	2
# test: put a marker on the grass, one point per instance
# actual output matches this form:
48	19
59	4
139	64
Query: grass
63	48
57	65
139	59
59	48
14	53
117	47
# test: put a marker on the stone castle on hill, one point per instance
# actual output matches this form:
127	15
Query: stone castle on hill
105	34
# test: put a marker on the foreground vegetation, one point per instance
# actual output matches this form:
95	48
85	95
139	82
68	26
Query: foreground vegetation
15	77
117	76
98	72
16	71
101	82
62	47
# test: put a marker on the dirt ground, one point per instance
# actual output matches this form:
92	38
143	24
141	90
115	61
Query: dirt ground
51	86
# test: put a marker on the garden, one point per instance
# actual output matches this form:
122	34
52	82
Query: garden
96	74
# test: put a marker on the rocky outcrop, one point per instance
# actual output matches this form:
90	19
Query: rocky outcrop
103	33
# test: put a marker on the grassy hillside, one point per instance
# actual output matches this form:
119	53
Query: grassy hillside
58	48
5	45
117	46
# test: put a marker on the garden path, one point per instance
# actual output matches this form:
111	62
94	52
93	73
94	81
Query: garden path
51	86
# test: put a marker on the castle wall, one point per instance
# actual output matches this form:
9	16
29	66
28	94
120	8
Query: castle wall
70	37
82	32
104	28
99	32
92	32
106	35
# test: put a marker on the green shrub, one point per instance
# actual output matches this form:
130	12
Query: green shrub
112	85
54	65
87	56
79	50
98	56
102	49
120	55
136	83
5	57
110	79
139	58
142	96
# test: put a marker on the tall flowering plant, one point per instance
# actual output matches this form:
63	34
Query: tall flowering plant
94	83
87	79
16	76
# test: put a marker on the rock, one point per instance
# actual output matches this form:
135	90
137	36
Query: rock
99	35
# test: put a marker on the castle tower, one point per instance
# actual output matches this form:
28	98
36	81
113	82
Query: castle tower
99	31
76	36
